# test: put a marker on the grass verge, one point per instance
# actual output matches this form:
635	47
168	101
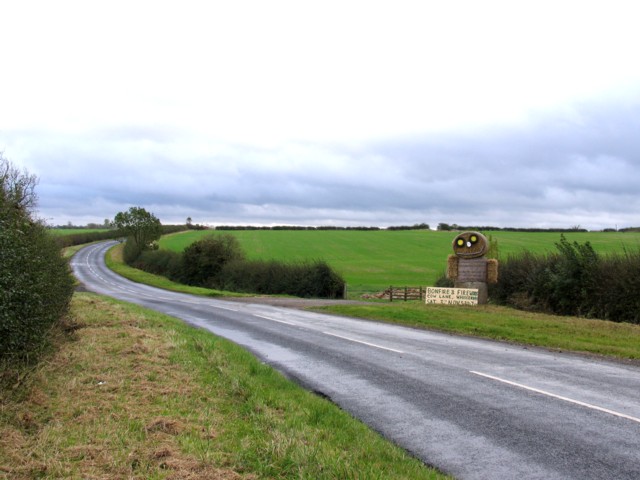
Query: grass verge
132	393
620	340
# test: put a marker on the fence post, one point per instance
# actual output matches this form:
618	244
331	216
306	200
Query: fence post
391	293
405	294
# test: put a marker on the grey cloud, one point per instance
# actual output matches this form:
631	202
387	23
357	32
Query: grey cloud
578	165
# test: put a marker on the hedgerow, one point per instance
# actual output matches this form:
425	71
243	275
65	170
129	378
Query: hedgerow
35	281
310	279
575	280
218	262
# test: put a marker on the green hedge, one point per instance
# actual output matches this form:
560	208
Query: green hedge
313	279
35	287
218	262
575	280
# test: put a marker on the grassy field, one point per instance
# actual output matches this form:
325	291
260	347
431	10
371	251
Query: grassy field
373	260
131	393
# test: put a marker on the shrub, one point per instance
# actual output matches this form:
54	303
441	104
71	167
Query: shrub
573	281
305	279
35	281
160	262
202	261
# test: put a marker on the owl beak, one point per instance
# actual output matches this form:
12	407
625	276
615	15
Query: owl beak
468	244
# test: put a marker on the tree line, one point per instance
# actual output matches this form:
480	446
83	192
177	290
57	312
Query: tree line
420	226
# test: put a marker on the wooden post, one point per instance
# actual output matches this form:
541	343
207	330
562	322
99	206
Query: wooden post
391	293
405	294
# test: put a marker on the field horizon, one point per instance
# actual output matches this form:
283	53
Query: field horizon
373	260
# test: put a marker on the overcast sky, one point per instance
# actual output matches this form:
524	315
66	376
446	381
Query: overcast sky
506	113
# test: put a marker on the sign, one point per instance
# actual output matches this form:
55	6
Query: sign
452	296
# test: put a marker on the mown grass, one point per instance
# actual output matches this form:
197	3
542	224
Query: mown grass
620	340
373	260
132	393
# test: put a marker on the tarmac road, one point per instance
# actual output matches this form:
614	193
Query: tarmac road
475	409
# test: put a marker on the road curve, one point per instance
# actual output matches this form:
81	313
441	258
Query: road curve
473	408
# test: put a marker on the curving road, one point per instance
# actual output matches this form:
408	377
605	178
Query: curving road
475	409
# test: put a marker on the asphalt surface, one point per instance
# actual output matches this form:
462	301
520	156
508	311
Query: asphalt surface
475	409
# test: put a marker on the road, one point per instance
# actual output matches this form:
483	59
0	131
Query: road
475	409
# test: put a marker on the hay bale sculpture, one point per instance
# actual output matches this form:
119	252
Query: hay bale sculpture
469	268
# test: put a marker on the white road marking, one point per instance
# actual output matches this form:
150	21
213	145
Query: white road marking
364	343
275	320
218	306
559	397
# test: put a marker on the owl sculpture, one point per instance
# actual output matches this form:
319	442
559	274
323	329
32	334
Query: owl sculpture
469	268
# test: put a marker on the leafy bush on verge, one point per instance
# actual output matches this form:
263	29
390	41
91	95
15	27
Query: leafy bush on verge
35	281
573	281
202	261
160	262
305	279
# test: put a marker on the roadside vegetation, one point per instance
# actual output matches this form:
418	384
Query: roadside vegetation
131	393
219	262
35	281
574	280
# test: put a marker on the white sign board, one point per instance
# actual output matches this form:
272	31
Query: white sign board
452	296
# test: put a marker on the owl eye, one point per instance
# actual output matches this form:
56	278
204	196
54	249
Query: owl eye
460	242
474	239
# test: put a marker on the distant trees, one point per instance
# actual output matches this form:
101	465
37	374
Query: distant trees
35	282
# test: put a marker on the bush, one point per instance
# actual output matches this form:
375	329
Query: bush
161	262
573	281
306	279
35	281
202	261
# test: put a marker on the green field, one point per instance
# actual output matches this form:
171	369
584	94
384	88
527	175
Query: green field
373	260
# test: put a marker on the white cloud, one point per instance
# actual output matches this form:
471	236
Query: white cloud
285	111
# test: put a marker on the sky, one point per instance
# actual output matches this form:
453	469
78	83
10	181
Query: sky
347	113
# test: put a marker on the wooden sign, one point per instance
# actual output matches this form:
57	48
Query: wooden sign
452	296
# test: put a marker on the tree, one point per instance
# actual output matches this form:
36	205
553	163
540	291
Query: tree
139	225
17	189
